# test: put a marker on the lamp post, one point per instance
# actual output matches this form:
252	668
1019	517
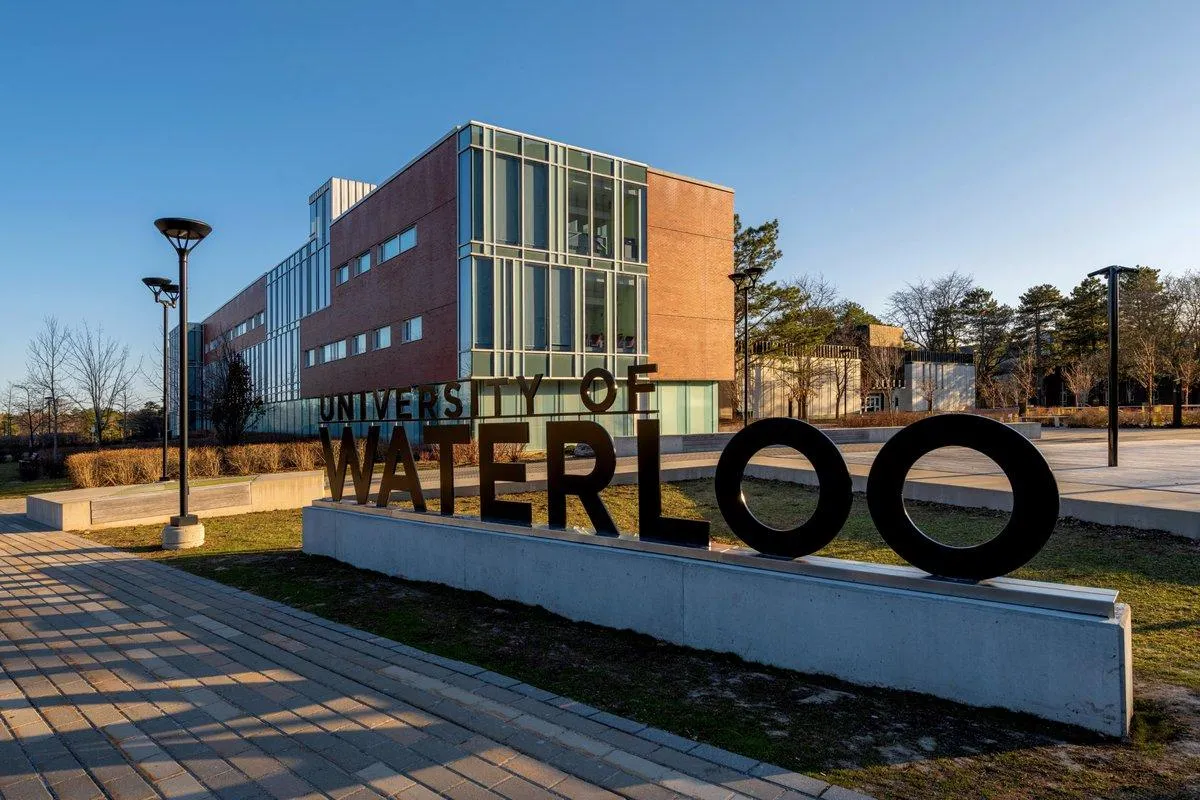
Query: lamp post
1113	273
51	408
845	353
184	530
744	281
165	294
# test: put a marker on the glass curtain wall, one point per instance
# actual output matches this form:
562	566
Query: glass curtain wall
552	257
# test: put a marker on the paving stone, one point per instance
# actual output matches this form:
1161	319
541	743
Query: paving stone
839	793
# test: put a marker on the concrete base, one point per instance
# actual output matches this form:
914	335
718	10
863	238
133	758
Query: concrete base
1059	652
182	537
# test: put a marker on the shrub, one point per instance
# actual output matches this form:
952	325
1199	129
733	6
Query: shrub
203	462
237	460
264	458
300	455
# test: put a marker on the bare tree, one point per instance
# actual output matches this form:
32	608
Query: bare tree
101	370
803	375
927	385
1183	332
880	372
842	378
1082	375
28	409
931	311
1145	360
47	358
10	410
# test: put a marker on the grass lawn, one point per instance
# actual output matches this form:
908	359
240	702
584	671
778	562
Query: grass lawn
12	486
888	743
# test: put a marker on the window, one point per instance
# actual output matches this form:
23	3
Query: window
341	275
508	199
537	205
362	263
562	293
389	249
595	312
408	239
410	331
358	344
578	230
602	215
627	314
310	358
485	297
634	226
334	351
534	307
381	337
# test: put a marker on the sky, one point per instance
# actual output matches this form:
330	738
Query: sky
1020	142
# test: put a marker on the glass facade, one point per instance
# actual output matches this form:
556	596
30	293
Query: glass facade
553	257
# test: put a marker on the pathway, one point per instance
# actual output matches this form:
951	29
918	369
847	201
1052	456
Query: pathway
126	678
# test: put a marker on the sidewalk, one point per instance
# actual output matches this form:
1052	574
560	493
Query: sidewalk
130	679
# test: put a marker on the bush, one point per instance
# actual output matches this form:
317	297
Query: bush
300	455
237	460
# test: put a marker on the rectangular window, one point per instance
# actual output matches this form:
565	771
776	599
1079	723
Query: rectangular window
562	293
341	274
484	297
595	312
634	223
534	307
411	330
389	249
358	344
508	199
408	239
578	229
537	205
602	215
310	358
381	337
464	196
627	314
362	263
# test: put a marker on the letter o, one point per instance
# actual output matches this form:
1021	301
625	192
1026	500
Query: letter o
610	387
1034	490
833	501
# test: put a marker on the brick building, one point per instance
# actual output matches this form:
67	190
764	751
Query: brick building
496	254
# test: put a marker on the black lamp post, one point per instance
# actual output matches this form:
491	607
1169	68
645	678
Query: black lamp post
744	281
51	426
1113	274
165	294
184	235
846	352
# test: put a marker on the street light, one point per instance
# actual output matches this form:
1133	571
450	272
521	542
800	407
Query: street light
846	352
184	530
1113	274
165	294
51	425
744	281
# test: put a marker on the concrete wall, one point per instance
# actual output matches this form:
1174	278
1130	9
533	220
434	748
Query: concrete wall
1060	652
952	386
771	395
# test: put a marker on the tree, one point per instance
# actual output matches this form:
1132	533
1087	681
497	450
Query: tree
1183	335
47	357
881	368
1144	327
101	371
927	385
988	331
233	403
1082	375
803	374
1037	321
1083	329
842	378
929	311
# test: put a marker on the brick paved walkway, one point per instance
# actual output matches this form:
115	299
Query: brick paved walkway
126	678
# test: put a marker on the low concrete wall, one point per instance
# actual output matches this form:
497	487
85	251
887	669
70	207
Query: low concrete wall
707	442
154	504
1060	652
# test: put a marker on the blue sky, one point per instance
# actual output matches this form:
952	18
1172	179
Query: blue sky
1022	142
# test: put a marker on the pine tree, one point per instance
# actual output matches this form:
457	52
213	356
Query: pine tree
1083	330
1038	316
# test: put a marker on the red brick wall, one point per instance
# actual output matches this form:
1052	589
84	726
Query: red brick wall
422	281
241	307
690	247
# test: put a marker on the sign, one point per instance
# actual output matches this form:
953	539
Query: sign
1034	488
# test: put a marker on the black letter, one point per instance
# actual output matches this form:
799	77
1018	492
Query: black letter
652	525
489	472
399	450
833	502
585	390
362	474
381	406
637	387
426	402
529	391
450	394
445	437
327	410
586	487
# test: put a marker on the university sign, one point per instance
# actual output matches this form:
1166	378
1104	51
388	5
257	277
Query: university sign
1035	501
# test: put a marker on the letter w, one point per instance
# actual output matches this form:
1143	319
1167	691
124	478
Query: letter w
362	471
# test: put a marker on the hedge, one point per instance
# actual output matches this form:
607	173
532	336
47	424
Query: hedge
128	466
